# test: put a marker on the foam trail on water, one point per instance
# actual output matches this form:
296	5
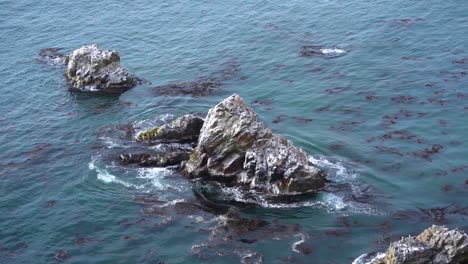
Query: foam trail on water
106	177
336	171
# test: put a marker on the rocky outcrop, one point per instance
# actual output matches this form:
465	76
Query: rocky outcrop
185	129
235	146
92	69
435	245
172	156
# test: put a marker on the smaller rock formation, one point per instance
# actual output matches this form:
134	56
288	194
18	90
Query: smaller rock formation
236	147
92	69
170	157
185	129
435	245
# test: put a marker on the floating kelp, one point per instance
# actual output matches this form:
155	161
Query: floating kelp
338	89
403	99
203	86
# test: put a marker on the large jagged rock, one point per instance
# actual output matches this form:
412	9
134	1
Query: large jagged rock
183	130
92	69
235	146
435	245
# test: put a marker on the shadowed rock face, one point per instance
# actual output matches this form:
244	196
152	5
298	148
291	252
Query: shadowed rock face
92	69
235	146
435	245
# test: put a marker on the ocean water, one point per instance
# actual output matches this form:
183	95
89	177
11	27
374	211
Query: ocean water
387	120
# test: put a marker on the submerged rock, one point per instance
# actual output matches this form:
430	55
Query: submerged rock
92	69
322	52
52	56
435	245
235	146
182	130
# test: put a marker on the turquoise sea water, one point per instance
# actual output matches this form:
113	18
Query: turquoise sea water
388	118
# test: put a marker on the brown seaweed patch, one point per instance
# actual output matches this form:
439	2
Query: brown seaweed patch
279	118
392	167
61	255
36	150
337	146
302	119
195	88
428	153
443	122
437	100
403	99
263	102
83	240
390	150
459	168
401	135
404	21
440	173
461	61
448	188
266	104
338	89
203	86
372	97
327	108
389	120
346	126
438	215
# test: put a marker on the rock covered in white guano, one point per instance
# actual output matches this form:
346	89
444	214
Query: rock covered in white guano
92	69
435	245
235	146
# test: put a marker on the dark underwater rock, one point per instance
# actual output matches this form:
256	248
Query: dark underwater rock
235	146
182	130
435	245
92	69
52	56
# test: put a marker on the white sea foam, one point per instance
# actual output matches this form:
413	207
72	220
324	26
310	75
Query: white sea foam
296	244
364	258
106	177
333	51
144	125
336	170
